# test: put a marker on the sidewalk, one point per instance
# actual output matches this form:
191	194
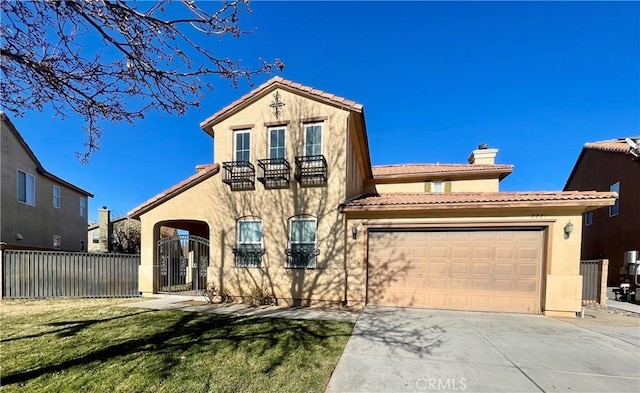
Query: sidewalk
626	306
198	304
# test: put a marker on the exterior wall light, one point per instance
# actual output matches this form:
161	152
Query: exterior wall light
568	229
354	231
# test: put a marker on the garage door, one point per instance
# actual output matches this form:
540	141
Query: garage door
496	270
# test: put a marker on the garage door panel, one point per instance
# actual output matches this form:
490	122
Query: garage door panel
437	252
480	253
467	270
481	268
504	252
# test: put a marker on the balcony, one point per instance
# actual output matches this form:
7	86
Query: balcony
248	256
239	175
311	170
302	257
274	173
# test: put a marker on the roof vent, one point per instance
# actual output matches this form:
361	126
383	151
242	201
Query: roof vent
483	146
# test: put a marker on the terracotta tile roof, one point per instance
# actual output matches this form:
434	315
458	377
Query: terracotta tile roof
209	171
407	170
614	145
286	84
390	201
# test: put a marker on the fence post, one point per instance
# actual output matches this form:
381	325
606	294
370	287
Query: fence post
604	276
2	246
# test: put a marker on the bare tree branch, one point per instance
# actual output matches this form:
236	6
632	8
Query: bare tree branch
111	60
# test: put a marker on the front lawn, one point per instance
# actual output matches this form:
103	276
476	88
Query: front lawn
94	345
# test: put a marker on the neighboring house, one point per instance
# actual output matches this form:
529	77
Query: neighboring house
121	234
38	209
296	208
609	232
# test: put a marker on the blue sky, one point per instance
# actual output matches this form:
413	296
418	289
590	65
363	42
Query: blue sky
535	79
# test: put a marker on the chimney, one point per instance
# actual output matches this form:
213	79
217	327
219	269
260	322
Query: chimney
483	155
104	228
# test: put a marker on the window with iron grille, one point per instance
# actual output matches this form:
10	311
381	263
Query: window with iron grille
302	251
249	249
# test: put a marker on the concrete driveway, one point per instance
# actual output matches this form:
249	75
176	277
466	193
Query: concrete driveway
411	350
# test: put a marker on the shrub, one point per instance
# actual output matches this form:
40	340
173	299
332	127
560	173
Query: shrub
215	295
261	297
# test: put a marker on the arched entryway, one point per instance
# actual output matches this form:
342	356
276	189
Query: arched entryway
182	258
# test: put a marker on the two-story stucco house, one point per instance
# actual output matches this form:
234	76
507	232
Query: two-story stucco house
39	209
610	232
295	206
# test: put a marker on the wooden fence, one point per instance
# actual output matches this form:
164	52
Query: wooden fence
29	274
594	281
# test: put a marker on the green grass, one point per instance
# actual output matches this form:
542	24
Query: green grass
95	345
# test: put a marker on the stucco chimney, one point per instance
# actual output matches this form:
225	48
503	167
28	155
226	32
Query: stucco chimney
483	155
104	228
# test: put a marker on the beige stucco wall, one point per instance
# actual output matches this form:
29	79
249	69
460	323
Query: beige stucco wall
561	291
354	184
469	185
475	185
37	224
400	187
213	203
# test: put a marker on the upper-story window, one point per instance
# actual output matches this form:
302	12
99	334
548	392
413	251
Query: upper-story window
95	237
26	188
277	142
242	145
56	197
437	186
313	139
83	207
615	208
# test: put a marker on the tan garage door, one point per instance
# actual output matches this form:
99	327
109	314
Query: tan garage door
492	270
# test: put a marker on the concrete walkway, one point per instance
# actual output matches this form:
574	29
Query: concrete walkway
410	350
198	304
626	306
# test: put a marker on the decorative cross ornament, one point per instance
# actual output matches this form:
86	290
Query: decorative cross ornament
276	105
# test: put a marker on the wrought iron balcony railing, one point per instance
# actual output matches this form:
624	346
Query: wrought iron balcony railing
248	256
239	175
274	172
311	170
302	257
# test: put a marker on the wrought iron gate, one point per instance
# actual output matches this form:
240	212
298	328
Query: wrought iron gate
182	264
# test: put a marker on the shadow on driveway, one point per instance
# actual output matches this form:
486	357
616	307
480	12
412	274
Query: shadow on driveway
399	349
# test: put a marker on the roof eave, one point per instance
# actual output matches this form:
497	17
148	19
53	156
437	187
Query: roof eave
586	203
161	198
39	166
453	175
208	124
